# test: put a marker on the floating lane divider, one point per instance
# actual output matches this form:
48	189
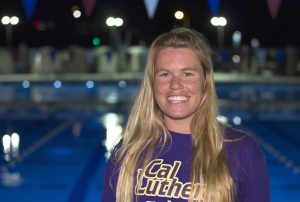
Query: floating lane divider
277	154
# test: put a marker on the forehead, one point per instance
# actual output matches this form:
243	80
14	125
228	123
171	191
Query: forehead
177	56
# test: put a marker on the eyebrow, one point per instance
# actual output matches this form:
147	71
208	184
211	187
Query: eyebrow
184	69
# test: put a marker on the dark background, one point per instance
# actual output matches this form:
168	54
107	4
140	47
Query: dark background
61	30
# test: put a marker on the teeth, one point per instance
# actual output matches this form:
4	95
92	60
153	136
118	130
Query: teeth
177	98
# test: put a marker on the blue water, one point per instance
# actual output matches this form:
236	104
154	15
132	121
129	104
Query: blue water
61	151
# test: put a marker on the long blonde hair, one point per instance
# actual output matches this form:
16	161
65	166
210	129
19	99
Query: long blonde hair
145	127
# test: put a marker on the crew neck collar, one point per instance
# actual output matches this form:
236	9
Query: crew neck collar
177	133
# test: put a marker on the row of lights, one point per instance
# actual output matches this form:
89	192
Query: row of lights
117	22
110	21
236	120
89	84
114	22
6	20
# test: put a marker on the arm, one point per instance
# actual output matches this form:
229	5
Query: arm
257	186
109	183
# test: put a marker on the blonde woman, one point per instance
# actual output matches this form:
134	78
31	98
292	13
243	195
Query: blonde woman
173	148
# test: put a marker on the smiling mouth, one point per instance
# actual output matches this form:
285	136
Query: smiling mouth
177	99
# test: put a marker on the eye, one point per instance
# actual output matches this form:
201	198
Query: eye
164	74
186	74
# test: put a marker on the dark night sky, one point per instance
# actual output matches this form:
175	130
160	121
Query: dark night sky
251	17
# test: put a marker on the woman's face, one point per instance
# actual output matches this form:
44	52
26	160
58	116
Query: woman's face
178	84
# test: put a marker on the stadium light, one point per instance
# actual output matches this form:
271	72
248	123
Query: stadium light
9	22
220	23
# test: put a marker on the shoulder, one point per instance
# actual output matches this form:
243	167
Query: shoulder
112	153
234	135
111	174
240	143
247	165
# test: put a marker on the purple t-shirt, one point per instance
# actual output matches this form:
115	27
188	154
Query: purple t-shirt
167	175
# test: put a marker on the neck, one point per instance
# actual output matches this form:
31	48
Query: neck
179	126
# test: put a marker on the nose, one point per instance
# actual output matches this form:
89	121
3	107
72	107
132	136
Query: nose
176	83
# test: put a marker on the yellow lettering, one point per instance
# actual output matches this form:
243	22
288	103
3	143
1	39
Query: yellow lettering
175	169
151	187
175	188
162	189
139	190
160	179
186	190
149	167
164	171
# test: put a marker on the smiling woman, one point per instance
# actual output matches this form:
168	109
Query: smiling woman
178	84
173	147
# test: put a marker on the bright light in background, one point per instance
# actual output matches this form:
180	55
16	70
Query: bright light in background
118	22
122	84
236	58
11	144
237	37
77	14
5	20
96	41
10	20
237	120
26	84
90	84
255	43
179	15
6	142
15	139
112	97
112	123
15	143
218	21
76	11
14	20
112	21
57	84
223	119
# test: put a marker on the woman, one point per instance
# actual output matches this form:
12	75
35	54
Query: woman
173	148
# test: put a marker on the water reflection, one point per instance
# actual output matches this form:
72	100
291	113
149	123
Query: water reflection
6	147
11	144
222	118
112	122
11	179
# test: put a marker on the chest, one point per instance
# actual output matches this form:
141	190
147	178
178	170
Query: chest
166	178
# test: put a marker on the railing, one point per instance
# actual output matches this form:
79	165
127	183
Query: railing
52	62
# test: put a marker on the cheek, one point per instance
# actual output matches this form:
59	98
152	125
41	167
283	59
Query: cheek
195	87
197	91
159	87
157	91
